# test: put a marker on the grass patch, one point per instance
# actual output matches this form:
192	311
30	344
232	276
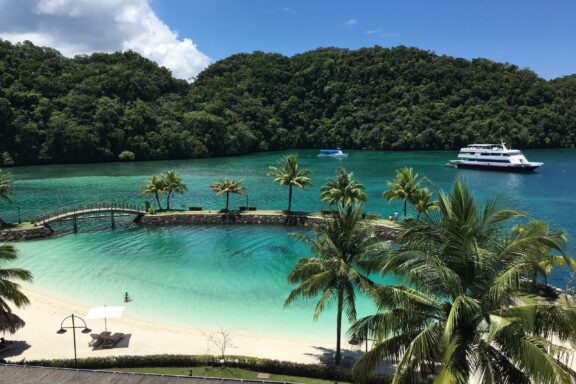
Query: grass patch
25	225
222	372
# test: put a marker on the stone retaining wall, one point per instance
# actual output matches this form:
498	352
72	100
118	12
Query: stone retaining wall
386	232
24	234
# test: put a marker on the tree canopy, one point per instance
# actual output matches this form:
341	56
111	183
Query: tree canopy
121	106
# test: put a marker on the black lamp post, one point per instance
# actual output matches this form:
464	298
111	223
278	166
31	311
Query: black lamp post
358	339
73	327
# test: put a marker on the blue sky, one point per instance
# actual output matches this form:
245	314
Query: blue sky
540	35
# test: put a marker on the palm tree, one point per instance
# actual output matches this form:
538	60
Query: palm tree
541	260
343	190
287	172
405	186
459	317
422	202
344	249
227	186
173	184
5	186
10	291
155	186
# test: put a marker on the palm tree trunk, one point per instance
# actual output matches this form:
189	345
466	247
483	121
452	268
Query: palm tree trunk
168	201
339	327
405	206
289	197
158	200
227	199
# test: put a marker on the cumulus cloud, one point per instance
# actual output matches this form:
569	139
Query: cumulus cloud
351	22
85	26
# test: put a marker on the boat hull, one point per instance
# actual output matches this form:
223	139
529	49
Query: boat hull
524	168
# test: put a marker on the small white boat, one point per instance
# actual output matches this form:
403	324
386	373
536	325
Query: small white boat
336	153
495	157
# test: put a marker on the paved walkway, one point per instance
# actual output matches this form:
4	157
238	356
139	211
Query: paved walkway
21	374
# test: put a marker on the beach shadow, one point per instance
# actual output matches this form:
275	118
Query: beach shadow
124	342
17	347
326	356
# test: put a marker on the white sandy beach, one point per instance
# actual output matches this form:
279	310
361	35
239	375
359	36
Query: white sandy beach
44	315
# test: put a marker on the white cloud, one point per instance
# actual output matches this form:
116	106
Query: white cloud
351	22
84	26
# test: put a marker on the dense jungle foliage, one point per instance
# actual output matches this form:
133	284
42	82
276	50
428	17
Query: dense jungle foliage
120	106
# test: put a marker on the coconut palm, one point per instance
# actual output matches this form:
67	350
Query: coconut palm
344	249
288	173
155	185
541	260
173	184
227	186
343	190
422	202
459	318
5	186
405	186
10	290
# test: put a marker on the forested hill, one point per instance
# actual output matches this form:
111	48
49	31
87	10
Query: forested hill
106	107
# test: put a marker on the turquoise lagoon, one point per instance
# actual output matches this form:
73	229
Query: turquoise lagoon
235	276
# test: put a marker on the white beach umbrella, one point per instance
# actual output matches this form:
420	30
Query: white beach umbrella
104	312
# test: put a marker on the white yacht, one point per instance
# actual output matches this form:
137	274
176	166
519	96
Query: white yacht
493	157
337	153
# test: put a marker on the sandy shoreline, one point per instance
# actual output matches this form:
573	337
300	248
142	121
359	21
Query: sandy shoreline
45	314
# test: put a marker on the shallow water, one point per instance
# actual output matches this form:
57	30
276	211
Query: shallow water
235	276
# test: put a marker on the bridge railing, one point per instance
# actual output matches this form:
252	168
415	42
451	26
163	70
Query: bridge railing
88	207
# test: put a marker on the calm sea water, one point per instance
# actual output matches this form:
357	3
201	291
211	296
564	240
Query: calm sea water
235	276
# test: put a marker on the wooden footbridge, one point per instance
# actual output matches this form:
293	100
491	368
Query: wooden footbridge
90	210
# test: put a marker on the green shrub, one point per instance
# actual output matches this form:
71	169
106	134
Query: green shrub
127	156
370	216
326	212
252	208
250	363
194	208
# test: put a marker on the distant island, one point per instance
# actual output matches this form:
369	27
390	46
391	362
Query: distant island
121	106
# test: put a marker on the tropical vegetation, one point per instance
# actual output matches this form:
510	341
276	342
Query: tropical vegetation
459	317
422	202
5	188
168	183
173	183
287	172
344	249
541	259
154	186
405	186
10	290
343	190
120	106
227	186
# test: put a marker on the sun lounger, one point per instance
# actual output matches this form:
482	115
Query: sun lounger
97	339
110	341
